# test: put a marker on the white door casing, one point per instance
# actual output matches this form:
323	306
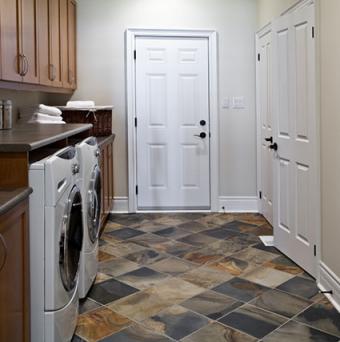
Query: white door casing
265	113
295	132
172	98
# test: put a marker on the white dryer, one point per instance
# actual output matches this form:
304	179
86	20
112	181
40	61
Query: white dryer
56	237
90	186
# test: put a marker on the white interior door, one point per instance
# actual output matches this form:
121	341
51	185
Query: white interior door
172	108
295	176
264	89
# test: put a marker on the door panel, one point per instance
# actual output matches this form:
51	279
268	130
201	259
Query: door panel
264	87
11	64
171	98
29	33
55	43
295	176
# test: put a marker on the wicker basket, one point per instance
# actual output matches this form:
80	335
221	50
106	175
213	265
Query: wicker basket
100	118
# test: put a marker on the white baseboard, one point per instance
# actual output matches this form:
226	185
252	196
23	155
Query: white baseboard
238	204
120	205
330	281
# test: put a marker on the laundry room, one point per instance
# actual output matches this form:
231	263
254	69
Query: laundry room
169	170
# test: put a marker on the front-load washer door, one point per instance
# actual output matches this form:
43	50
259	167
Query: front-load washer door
93	203
71	240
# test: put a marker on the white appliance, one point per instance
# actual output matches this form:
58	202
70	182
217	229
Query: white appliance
90	186
56	237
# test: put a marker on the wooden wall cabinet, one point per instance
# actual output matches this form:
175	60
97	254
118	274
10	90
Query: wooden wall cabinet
38	43
106	167
19	41
14	274
57	49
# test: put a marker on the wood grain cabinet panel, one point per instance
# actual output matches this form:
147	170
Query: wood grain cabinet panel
19	41
38	43
106	165
14	275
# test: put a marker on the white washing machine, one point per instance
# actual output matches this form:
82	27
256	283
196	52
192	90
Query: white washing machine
56	237
90	186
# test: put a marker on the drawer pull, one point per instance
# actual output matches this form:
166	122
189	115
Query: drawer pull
5	252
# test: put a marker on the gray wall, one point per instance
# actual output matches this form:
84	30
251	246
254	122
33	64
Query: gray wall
101	75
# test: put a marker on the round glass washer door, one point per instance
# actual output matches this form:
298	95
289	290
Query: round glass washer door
71	240
94	205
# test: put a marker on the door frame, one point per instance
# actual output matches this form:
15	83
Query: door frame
267	29
130	39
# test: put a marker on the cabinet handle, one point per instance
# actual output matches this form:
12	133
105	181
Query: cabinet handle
21	65
26	65
53	72
2	240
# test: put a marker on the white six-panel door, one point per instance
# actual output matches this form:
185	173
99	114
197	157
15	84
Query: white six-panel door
172	101
265	108
295	132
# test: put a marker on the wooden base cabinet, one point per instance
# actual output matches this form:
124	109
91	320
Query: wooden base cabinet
14	274
106	166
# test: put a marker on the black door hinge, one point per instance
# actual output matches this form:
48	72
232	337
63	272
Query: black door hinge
135	121
134	54
260	194
313	31
314	250
258	57
136	189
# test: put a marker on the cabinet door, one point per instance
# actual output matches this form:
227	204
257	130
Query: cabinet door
102	171
55	46
72	54
44	41
11	63
14	286
29	41
110	193
64	43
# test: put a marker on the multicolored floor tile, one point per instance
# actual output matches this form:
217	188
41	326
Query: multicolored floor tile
136	333
322	316
212	304
199	277
176	322
100	323
253	321
297	332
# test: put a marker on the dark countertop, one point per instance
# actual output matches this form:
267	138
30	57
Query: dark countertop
28	137
9	198
104	140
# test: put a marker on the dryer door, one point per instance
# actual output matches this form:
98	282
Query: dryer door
94	205
71	240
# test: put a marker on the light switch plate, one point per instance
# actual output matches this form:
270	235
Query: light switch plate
238	102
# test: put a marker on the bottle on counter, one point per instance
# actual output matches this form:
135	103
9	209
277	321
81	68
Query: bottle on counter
1	115
7	114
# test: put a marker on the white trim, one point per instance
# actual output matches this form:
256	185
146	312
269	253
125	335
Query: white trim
120	205
130	37
329	281
238	204
267	29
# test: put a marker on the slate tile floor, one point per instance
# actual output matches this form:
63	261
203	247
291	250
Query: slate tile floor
200	278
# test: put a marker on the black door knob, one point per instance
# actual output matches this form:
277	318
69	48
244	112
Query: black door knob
269	139
274	147
202	135
203	122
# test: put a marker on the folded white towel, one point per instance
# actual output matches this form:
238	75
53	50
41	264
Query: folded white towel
41	116
49	110
80	104
47	122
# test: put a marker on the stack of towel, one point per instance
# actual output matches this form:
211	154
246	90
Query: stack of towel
47	115
80	104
